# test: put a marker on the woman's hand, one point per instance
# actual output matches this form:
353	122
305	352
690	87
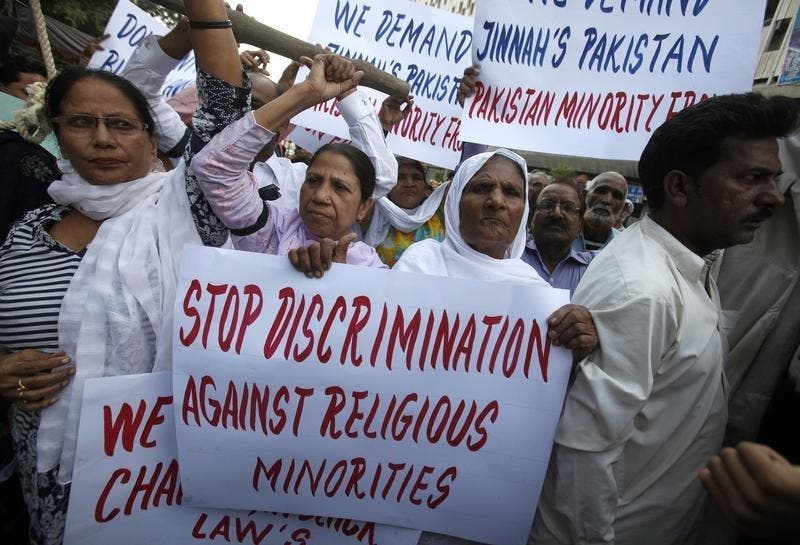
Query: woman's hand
29	378
572	327
394	110
316	258
91	48
330	76
255	61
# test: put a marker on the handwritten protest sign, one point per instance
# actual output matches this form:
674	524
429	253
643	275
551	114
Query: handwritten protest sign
127	489
127	27
427	47
595	77
416	401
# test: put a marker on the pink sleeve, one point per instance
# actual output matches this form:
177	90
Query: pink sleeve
221	168
365	256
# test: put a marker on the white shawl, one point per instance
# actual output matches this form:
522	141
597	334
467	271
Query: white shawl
116	316
388	214
454	257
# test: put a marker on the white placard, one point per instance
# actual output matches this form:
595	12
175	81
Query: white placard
595	78
126	485
416	401
128	26
425	46
311	140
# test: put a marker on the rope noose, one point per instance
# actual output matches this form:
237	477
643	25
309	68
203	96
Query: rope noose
31	121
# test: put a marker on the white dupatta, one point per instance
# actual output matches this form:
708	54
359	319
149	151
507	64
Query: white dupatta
116	316
387	214
454	257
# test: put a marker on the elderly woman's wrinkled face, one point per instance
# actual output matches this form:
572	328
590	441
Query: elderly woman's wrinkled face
107	151
492	207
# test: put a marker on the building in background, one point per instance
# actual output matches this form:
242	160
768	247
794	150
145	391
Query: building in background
778	67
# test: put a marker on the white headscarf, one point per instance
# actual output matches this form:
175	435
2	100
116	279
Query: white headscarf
453	256
116	316
388	214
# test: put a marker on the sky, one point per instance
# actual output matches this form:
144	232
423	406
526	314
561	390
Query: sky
293	17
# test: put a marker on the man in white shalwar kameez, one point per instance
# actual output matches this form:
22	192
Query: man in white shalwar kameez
648	407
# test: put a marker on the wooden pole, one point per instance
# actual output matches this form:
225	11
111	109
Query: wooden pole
250	31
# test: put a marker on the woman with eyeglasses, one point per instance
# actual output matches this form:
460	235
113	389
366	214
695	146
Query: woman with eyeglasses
87	284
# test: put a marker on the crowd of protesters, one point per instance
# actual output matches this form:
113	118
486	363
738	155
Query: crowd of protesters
681	389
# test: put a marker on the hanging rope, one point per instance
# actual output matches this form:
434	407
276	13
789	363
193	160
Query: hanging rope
31	121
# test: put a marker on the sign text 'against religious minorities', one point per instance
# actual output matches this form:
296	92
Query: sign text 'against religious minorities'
382	396
596	77
126	486
427	47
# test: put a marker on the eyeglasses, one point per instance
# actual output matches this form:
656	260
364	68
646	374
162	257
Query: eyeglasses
84	124
548	206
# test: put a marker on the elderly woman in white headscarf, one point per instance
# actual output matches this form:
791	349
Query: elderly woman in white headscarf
485	217
485	232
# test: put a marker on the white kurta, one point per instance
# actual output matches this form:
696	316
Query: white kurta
648	407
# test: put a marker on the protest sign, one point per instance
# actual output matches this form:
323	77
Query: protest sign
417	401
425	46
127	27
595	78
126	485
311	140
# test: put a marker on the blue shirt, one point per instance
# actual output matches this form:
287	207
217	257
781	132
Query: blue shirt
579	244
567	273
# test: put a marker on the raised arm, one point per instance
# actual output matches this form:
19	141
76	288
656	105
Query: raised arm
215	49
223	92
367	135
229	187
148	67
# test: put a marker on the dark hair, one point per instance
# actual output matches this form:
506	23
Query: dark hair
15	66
59	87
413	163
562	182
695	138
363	167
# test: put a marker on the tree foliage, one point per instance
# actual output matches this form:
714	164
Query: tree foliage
562	171
91	16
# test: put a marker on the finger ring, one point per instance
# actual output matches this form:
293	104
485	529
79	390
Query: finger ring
21	386
20	392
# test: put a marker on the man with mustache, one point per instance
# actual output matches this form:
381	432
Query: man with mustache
648	407
605	199
556	223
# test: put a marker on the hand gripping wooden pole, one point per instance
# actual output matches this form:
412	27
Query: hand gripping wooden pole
250	31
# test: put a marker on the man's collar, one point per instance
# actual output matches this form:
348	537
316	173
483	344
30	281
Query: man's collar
689	263
583	257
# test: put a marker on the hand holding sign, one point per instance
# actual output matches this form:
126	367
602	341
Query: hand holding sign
316	258
572	326
467	86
